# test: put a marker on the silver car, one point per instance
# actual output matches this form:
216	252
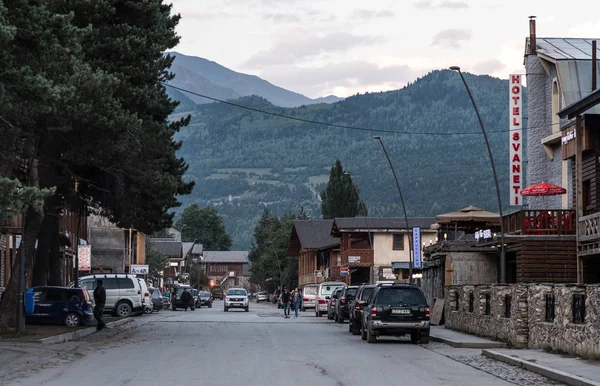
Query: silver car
262	297
324	296
309	296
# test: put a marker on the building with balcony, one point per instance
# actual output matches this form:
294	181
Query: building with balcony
227	268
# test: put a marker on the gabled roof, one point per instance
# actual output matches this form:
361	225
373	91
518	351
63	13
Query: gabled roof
168	247
226	257
557	49
311	234
382	223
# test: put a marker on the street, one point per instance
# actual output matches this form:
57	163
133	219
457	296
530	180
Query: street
213	347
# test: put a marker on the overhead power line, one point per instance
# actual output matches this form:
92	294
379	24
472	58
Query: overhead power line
357	128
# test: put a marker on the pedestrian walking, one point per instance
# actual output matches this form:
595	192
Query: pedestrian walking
186	299
285	299
297	300
100	301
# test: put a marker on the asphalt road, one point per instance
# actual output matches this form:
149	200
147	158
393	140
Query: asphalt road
260	347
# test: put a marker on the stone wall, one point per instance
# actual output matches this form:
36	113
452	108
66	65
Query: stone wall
528	324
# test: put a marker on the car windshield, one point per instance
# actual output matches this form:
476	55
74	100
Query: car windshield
351	292
310	290
401	297
205	294
328	289
262	293
180	290
238	292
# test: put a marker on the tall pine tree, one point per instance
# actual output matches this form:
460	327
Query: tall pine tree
341	197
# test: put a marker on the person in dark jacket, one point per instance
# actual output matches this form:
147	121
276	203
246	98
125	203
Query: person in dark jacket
100	300
186	299
285	298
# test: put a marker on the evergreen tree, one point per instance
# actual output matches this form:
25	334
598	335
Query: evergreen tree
206	226
341	197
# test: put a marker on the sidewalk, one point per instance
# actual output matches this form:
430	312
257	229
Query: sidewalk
461	340
572	371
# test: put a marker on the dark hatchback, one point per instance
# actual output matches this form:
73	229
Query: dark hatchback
345	298
357	306
205	298
396	310
335	295
58	305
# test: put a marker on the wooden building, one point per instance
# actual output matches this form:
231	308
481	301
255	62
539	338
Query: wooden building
316	249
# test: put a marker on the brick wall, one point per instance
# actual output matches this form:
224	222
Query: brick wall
540	316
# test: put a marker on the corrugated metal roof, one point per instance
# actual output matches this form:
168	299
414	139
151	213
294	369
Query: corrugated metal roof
565	48
575	77
225	256
168	247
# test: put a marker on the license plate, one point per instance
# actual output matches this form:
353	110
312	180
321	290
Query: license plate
401	312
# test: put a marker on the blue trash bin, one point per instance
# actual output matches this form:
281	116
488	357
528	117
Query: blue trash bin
29	301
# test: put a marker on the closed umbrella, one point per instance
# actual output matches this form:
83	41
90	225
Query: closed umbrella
543	189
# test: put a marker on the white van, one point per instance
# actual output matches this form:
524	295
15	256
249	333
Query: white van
309	296
124	294
324	295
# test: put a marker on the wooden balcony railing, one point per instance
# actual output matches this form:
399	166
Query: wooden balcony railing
589	228
540	222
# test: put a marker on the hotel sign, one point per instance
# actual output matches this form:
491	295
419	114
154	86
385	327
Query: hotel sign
515	141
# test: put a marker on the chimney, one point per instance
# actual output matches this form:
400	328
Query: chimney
594	65
532	40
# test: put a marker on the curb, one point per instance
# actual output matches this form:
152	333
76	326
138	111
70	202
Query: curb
66	337
457	344
547	372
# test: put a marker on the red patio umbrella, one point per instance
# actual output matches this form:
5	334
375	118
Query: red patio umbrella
543	189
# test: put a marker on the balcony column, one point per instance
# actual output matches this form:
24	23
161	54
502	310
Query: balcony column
579	191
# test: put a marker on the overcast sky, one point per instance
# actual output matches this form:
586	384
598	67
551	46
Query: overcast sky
341	47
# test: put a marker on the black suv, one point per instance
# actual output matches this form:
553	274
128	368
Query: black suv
343	303
177	303
356	307
395	310
335	295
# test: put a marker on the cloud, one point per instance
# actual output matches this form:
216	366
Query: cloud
488	66
451	37
351	75
428	4
306	46
282	17
366	14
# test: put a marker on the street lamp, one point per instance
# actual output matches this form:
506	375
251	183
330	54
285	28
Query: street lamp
410	257
347	174
487	143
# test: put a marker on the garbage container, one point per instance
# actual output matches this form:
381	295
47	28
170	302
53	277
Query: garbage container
29	301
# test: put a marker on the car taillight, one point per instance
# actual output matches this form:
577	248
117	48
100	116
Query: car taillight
322	301
374	311
357	306
147	294
85	295
426	312
305	299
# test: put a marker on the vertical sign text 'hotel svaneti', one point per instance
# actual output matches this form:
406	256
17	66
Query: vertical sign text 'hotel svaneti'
515	138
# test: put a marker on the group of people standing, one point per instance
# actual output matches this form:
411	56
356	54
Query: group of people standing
289	299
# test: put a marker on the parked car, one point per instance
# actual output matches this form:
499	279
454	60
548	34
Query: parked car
332	303
123	292
176	301
166	301
157	298
396	310
147	305
205	298
58	305
343	302
309	295
324	294
356	307
262	297
236	298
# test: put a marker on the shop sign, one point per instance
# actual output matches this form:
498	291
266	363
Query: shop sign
515	141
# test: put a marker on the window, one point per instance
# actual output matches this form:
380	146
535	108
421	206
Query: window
236	292
125	283
471	301
401	297
507	305
550	308
398	242
487	309
587	192
456	300
555	106
53	295
110	283
87	284
578	306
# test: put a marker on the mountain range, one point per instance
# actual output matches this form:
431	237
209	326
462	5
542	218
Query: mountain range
209	78
245	161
